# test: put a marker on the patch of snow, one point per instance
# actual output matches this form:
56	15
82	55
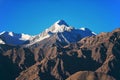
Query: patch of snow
65	38
82	29
2	42
41	38
94	33
57	21
37	39
59	26
25	36
61	22
2	32
11	33
14	38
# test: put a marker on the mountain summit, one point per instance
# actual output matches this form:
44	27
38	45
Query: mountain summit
62	22
12	38
91	58
60	52
59	26
63	32
60	29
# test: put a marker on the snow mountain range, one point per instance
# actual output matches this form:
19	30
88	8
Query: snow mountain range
60	29
12	38
61	52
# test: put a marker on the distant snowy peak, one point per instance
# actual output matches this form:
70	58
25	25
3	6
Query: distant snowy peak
82	28
21	36
59	26
11	34
64	33
14	38
61	22
7	33
25	37
87	30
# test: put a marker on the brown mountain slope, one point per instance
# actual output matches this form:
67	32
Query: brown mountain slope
89	75
22	57
13	60
99	54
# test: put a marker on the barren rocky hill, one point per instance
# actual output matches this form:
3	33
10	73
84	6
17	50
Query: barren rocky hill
95	57
60	52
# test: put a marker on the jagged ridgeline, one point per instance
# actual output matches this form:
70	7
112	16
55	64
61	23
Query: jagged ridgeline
60	52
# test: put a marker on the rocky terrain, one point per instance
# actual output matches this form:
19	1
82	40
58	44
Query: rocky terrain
94	57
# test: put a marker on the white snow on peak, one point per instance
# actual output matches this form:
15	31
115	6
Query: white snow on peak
2	32
59	26
82	28
14	38
11	33
2	42
94	33
61	22
41	38
25	37
57	21
64	32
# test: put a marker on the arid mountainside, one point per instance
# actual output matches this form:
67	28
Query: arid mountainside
59	56
95	57
89	75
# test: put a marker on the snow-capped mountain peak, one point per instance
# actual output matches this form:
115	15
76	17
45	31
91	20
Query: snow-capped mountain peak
59	26
14	38
61	22
11	33
25	37
82	28
64	33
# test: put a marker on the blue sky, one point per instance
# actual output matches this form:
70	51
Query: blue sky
34	16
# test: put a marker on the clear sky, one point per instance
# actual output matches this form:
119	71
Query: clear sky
34	16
